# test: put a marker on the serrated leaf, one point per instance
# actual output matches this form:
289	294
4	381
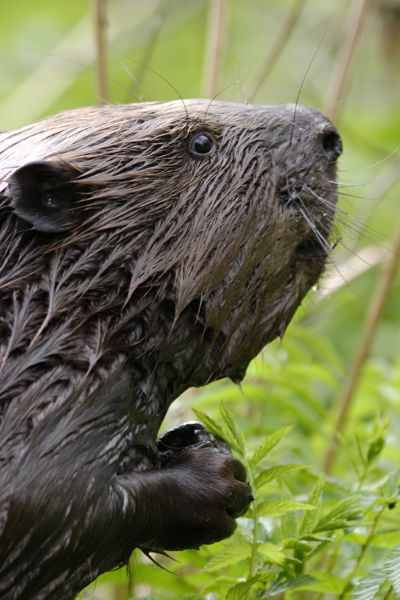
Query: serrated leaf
275	473
375	448
340	516
302	548
319	547
211	425
335	524
310	519
309	537
274	508
390	488
368	587
283	585
271	553
232	434
231	553
289	525
327	583
269	444
388	539
391	567
239	591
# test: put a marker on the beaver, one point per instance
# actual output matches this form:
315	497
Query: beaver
145	248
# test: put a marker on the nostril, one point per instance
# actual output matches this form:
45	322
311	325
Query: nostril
331	142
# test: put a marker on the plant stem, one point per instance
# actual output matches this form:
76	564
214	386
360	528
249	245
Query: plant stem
388	594
120	591
252	563
100	28
373	316
364	549
216	31
158	20
277	47
340	79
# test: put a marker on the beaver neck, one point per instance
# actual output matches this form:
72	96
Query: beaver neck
68	364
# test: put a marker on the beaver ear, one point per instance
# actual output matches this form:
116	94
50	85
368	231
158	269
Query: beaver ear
44	195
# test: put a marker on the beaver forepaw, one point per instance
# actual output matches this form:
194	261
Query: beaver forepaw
194	498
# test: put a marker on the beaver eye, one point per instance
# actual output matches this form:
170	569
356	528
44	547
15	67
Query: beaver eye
201	144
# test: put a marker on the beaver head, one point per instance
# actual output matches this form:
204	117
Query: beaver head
214	209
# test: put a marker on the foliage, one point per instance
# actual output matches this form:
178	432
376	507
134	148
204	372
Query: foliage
305	535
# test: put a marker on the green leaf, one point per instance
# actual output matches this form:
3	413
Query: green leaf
282	585
327	583
391	567
289	525
377	443
230	552
274	508
239	591
309	537
391	488
388	539
375	448
341	515
368	587
231	433
269	444
271	553
274	473
310	519
211	425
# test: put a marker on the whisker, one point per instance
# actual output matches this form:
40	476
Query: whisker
326	246
343	183
348	220
357	196
350	269
375	164
318	235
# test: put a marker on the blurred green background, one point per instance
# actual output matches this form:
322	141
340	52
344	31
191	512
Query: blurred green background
157	50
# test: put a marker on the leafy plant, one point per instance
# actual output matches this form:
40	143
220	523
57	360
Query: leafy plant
305	535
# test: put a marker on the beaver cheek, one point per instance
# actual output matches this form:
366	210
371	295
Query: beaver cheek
43	195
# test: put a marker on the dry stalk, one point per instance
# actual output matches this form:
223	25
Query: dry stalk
158	20
373	316
383	184
340	78
216	33
276	50
100	30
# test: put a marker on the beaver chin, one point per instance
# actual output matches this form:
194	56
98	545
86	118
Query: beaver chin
272	291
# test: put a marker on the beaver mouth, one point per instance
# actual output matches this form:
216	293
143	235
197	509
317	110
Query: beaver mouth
316	209
303	194
312	247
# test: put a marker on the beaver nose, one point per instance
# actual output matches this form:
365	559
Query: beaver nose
330	141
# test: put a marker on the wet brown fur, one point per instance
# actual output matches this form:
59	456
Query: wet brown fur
164	270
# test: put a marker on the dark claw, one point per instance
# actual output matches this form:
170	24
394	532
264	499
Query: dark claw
239	471
240	502
184	436
188	436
